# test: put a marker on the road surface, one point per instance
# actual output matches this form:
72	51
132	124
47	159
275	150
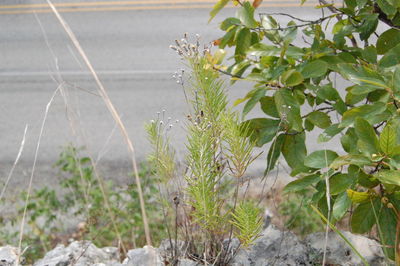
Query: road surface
128	45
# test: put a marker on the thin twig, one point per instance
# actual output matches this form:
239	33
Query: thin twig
308	23
288	15
227	73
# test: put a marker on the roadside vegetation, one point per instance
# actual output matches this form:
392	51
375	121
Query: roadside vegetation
75	210
201	204
295	86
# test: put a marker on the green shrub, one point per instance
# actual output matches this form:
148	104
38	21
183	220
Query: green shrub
363	49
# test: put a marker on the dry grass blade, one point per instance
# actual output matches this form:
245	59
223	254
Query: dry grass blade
328	200
21	148
21	231
113	112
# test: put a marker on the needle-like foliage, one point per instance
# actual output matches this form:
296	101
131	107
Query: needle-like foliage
248	223
218	155
163	155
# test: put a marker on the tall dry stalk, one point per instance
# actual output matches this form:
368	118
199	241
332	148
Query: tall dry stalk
21	148
114	114
22	226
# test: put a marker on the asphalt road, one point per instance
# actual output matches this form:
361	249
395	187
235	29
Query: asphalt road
128	44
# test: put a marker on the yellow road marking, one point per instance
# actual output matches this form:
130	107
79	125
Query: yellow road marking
70	10
115	3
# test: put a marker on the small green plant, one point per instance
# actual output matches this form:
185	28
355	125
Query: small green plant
218	154
81	200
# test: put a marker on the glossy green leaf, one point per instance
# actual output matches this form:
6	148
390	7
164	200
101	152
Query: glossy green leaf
363	90
262	130
396	79
261	49
391	58
292	78
388	139
351	4
362	76
268	106
340	183
329	133
314	69
370	54
308	125
394	3
386	7
254	99
350	159
320	119
366	180
274	152
388	40
327	92
288	108
361	3
349	141
257	77
289	35
341	205
320	159
294	52
270	25
368	26
229	22
302	183
333	61
388	222
243	42
353	99
246	15
228	38
391	177
217	7
347	57
294	150
367	135
268	22
366	111
363	217
239	68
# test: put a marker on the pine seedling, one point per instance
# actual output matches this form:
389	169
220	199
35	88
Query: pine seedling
237	148
203	176
248	223
216	138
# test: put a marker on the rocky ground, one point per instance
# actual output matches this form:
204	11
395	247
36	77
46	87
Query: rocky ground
274	247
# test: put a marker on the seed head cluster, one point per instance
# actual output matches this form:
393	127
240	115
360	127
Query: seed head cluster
185	49
162	123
